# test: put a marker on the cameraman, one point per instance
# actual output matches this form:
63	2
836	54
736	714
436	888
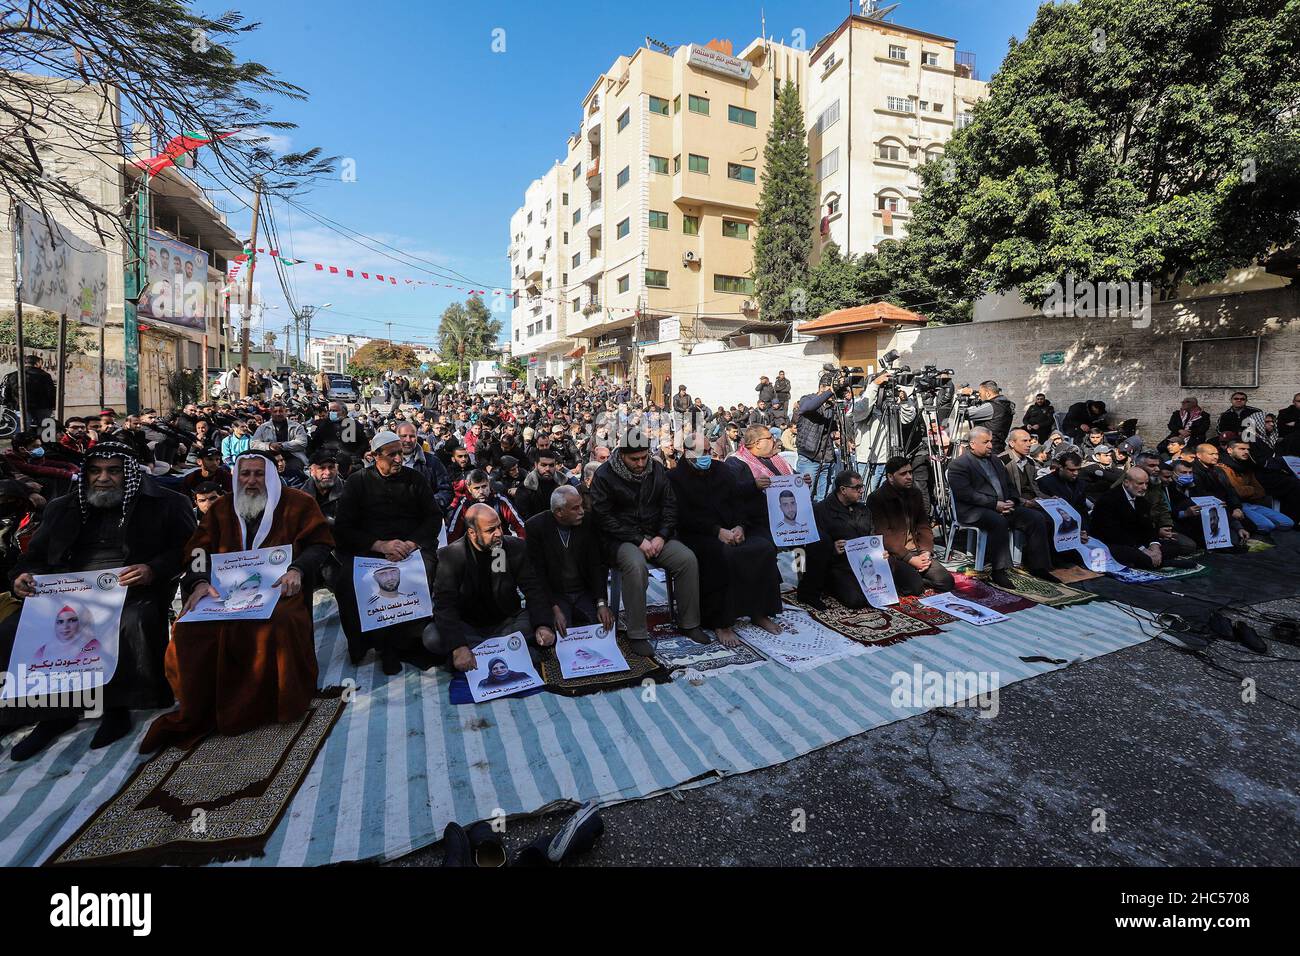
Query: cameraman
995	412
872	429
815	436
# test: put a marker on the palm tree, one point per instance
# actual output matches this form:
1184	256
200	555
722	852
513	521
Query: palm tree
455	333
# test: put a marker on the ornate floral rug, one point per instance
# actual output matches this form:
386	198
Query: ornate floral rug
217	801
1038	591
874	627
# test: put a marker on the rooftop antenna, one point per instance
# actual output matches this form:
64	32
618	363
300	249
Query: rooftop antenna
872	10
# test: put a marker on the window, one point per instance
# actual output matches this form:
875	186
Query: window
659	164
691	225
656	278
530	252
930	59
564	279
830	116
566	238
577	216
577	170
677	164
548	205
830	163
697	104
887	202
738	114
697	164
887	151
516	335
744	174
623	119
734	229
897	52
530	217
548	323
624	175
965	119
577	259
658	220
740	285
833	206
576	304
659	105
564	199
938	107
899	104
677	103
624	283
623	228
830	63
925	105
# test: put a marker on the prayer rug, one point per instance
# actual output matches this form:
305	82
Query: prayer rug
1074	575
873	627
1170	573
932	616
1042	592
219	800
973	589
803	643
1255	545
640	669
684	658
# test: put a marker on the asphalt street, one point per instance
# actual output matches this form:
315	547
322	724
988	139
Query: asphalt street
1148	756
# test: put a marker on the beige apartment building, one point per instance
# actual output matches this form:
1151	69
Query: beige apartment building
881	101
657	198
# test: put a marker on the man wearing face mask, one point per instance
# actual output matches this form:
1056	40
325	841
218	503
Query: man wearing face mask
117	517
339	432
1187	513
738	572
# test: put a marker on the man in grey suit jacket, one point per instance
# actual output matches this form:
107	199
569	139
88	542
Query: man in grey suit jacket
986	499
282	434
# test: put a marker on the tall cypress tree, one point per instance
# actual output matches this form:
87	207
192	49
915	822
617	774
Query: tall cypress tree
786	213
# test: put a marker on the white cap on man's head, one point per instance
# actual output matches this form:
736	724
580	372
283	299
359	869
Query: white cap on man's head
383	438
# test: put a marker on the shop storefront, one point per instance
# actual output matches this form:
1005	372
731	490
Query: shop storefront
609	357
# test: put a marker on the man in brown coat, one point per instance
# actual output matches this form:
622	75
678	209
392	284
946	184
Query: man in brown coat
899	515
232	676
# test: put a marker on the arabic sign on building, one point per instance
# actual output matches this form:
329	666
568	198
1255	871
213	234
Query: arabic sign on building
717	62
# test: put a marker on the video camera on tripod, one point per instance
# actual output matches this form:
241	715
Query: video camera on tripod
928	381
840	377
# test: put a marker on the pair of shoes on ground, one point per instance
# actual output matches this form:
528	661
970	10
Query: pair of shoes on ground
481	845
113	726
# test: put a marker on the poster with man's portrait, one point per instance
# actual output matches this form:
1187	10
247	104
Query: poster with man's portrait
391	592
584	651
246	582
1067	529
177	290
1214	522
964	610
789	511
870	565
504	668
68	634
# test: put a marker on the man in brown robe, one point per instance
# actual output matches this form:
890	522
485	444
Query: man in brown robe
233	676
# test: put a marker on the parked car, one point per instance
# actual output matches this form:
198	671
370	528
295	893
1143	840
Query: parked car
343	388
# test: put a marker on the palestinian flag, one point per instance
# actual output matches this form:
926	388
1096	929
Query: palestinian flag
176	148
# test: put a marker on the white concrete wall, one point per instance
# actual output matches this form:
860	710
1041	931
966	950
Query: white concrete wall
1134	370
728	377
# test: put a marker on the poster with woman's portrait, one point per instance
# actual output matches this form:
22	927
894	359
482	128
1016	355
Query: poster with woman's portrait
504	668
870	565
246	582
68	633
584	651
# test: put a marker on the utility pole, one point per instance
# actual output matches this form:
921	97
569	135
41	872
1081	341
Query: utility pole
248	300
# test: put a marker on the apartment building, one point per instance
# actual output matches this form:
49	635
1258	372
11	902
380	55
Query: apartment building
333	352
662	180
539	274
881	101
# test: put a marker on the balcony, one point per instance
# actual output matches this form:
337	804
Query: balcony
595	219
593	175
534	273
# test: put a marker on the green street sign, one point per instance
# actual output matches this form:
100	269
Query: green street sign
1052	358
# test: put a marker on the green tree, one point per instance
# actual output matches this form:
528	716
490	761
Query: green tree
455	336
787	208
1122	141
41	331
380	355
484	328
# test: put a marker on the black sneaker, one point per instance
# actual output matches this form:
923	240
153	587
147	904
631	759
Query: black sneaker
1248	637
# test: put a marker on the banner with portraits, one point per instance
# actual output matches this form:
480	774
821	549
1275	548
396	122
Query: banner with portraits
391	592
178	282
504	668
584	651
870	565
1067	526
60	272
790	511
246	582
68	633
1214	522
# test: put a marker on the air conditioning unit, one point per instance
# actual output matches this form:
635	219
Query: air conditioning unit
749	305
690	256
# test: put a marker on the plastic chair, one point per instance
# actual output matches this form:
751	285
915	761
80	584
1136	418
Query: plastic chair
981	539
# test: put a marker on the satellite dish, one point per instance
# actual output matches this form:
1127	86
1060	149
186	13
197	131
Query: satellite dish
872	10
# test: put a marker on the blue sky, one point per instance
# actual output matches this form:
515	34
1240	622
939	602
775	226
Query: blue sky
446	134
